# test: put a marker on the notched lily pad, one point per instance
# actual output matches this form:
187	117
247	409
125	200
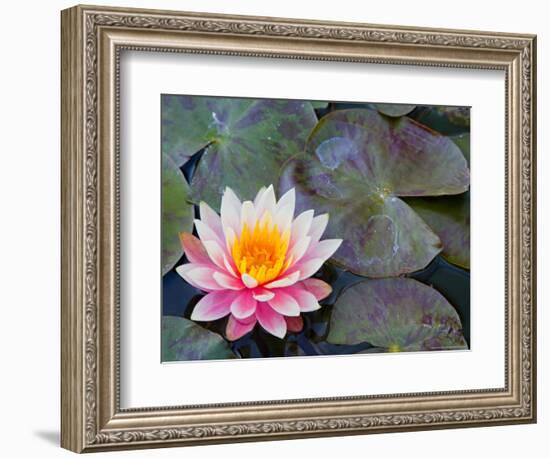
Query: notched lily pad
177	212
398	314
245	141
356	166
183	340
393	110
449	216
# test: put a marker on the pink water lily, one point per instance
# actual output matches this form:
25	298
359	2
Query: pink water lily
255	261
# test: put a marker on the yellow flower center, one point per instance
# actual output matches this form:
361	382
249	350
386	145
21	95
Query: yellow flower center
261	251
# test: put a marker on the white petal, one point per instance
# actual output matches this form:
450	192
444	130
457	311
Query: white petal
266	203
230	238
299	249
250	282
318	226
230	210
263	295
301	226
215	252
325	249
259	196
211	219
309	267
248	215
205	232
283	217
284	281
289	198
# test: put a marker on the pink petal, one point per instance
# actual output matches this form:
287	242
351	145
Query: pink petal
236	328
287	280
215	253
230	210
318	226
227	281
317	287
193	249
301	226
244	305
305	299
270	320
213	306
205	232
294	323
324	249
211	219
199	275
250	282
285	304
263	295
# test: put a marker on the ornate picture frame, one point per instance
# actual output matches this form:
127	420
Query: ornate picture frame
93	39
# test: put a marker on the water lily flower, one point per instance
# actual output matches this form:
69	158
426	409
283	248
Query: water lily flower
255	260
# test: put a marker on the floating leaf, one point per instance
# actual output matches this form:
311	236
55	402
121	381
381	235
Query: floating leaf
356	165
177	212
393	110
444	119
399	314
183	340
318	105
245	141
449	216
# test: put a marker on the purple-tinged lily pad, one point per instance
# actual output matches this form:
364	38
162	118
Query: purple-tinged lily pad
394	110
183	340
356	167
398	314
444	119
245	141
449	216
177	212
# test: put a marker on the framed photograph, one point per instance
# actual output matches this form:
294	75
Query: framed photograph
278	228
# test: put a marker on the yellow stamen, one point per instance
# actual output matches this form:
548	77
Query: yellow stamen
261	251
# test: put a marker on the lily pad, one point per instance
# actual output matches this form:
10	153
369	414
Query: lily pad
449	216
398	314
177	212
394	110
318	104
444	119
244	141
183	340
356	166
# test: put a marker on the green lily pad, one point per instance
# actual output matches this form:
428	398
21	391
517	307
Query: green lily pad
183	340
449	216
399	314
444	119
245	141
318	104
177	212
394	110
356	167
